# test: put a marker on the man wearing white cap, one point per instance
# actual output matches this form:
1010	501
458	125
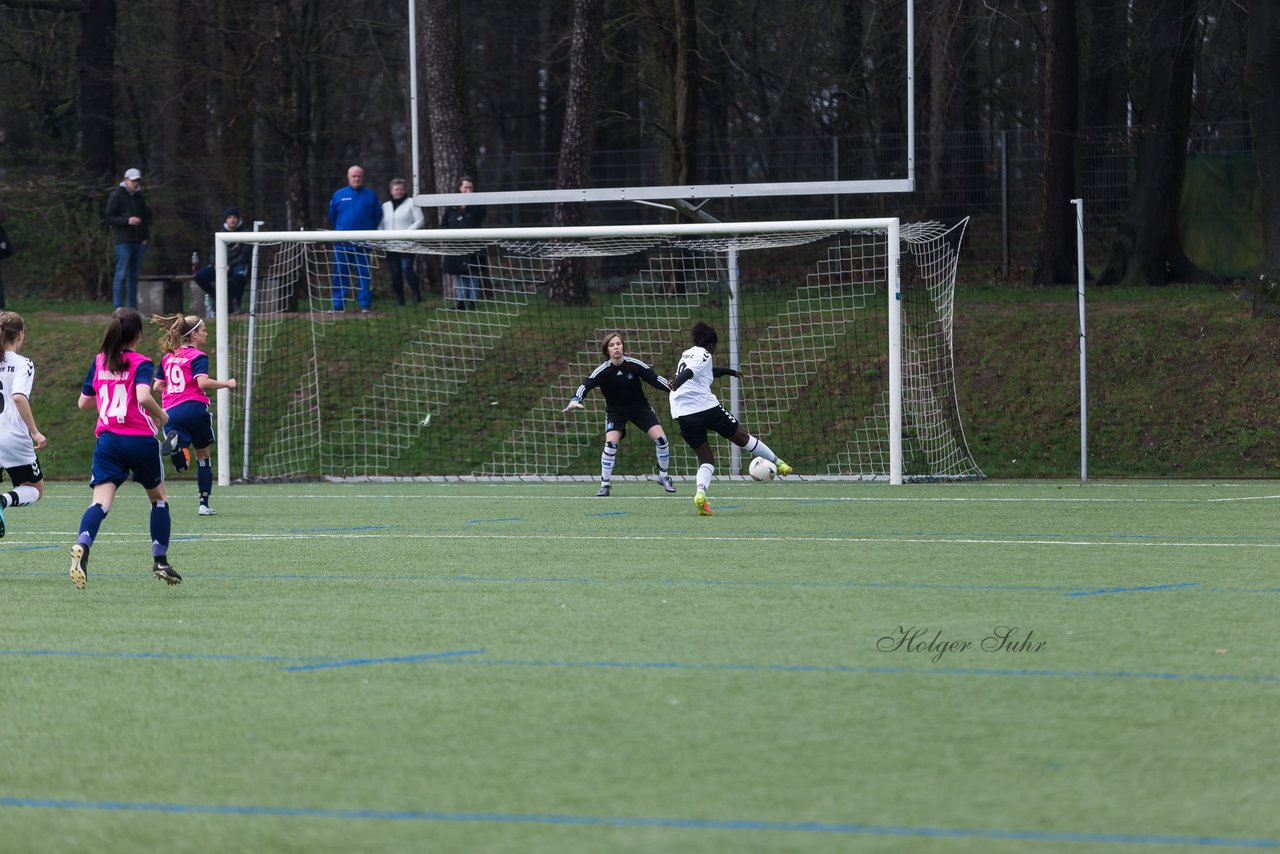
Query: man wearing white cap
130	222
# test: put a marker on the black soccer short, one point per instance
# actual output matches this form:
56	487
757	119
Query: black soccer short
694	427
642	416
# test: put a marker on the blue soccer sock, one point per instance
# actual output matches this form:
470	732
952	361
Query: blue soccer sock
161	525
204	479
90	522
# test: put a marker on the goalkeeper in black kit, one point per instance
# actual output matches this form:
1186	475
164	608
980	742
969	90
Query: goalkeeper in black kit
619	380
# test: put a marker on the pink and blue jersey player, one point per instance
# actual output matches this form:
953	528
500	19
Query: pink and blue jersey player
118	387
184	383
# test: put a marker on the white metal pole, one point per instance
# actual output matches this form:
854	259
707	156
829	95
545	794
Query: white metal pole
895	352
246	379
1084	381
735	385
413	91
911	94
223	341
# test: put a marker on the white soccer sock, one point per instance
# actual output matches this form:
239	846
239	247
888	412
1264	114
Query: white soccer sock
705	472
21	496
606	462
760	449
664	453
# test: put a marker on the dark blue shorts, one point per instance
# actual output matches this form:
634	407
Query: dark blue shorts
116	457
192	422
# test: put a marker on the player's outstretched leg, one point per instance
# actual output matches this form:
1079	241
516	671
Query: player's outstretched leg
754	445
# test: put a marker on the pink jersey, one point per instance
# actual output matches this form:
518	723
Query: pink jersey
117	395
181	367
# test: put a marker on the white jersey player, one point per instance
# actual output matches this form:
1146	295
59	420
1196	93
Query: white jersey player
20	438
697	410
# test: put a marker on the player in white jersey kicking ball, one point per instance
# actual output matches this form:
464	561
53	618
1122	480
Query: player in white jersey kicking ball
697	411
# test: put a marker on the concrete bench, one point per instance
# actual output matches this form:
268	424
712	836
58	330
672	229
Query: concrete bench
169	294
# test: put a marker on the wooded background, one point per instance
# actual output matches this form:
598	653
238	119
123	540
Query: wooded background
264	104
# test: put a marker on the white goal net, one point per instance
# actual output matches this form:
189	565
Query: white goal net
842	330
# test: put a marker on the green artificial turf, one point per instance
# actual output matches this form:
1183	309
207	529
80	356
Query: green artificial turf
527	668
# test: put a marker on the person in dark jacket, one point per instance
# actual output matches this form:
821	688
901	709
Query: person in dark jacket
464	268
238	257
130	220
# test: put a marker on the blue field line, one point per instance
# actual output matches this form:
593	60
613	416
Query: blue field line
399	659
471	657
1101	590
156	656
758	825
485	521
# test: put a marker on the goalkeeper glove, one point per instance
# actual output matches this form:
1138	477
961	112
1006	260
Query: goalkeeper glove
574	403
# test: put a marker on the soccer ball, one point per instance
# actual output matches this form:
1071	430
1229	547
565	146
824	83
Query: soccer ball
762	469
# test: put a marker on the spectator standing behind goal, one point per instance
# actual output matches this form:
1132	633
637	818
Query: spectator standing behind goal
697	410
184	383
239	255
618	379
353	208
118	386
130	220
20	438
399	213
465	269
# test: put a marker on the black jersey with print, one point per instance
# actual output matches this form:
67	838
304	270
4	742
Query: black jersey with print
620	384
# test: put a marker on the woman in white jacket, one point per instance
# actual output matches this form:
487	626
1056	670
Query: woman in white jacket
400	214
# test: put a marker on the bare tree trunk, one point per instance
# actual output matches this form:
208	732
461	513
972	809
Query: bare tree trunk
287	112
1148	250
567	282
675	22
1262	93
1105	97
1056	263
441	42
97	52
947	47
1106	74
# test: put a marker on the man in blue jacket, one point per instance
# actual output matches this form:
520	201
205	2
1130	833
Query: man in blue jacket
353	208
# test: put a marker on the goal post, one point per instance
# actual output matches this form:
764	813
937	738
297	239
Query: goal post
842	329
